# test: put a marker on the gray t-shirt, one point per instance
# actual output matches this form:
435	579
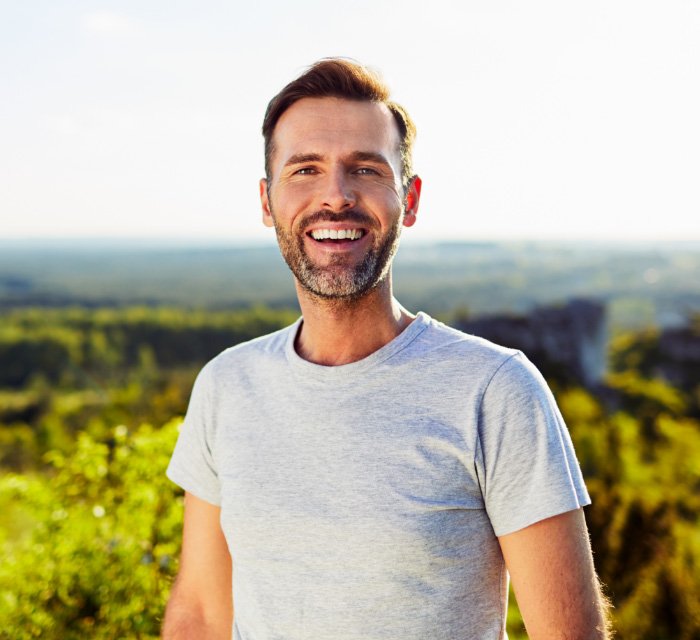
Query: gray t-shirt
363	501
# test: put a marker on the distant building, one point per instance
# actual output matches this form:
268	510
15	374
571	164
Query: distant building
566	343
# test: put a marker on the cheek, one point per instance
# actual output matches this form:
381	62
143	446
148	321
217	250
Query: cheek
390	193
288	202
294	196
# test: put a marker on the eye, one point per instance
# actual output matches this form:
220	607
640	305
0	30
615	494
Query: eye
367	171
305	171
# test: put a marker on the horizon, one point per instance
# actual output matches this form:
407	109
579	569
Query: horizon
174	242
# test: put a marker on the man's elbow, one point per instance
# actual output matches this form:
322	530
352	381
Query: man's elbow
588	619
188	618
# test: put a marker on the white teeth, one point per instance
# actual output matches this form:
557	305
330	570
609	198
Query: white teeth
337	234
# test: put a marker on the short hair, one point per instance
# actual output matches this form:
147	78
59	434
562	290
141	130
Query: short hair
341	78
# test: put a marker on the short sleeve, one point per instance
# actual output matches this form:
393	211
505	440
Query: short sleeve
524	457
192	464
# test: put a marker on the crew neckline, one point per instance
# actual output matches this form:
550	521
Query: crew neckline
311	370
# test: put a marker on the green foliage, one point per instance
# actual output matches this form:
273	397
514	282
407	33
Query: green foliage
651	396
103	549
648	356
77	347
635	351
643	473
515	626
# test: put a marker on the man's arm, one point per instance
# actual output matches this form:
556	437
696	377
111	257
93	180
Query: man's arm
201	605
551	567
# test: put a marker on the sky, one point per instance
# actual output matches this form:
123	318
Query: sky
536	120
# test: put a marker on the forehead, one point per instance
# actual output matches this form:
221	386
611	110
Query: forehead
335	125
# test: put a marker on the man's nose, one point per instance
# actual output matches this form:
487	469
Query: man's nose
338	192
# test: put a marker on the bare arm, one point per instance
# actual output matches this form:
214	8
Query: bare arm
201	605
551	566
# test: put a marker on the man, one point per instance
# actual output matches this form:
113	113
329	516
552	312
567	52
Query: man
369	473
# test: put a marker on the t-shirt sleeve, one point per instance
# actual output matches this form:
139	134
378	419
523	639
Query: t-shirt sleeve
192	465
524	457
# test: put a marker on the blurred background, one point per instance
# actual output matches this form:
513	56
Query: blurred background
559	147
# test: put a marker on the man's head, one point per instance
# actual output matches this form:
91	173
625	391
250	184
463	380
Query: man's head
339	185
340	78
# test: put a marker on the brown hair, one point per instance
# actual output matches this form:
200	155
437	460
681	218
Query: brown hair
340	78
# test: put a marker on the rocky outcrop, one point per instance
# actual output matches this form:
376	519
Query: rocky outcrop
568	342
678	359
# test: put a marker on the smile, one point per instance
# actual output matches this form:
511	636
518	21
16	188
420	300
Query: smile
337	234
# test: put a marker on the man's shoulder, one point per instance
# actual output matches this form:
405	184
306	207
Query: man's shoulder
268	346
456	344
505	371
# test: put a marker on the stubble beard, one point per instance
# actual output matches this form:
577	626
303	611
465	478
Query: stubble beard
339	279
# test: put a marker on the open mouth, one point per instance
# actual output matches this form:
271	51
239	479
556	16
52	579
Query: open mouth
336	235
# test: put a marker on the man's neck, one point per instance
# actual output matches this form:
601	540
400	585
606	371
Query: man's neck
337	332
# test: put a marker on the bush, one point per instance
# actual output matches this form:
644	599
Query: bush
103	550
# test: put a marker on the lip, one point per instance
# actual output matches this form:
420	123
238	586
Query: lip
336	226
344	246
352	219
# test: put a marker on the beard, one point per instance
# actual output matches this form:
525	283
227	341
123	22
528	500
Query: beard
342	278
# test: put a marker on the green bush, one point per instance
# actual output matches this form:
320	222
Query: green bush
103	548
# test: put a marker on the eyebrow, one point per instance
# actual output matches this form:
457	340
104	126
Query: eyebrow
370	156
356	156
301	158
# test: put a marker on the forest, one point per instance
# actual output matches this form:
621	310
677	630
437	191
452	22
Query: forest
91	398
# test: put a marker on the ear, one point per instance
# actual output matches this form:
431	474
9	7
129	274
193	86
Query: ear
265	203
412	199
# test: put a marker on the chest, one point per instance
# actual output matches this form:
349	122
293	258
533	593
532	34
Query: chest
302	461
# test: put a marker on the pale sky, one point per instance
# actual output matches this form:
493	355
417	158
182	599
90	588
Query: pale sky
536	120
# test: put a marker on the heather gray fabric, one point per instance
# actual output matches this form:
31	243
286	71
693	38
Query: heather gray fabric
363	501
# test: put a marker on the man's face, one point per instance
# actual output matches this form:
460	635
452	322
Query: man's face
335	196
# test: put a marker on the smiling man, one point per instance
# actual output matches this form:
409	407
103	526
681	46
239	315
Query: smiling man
367	472
336	256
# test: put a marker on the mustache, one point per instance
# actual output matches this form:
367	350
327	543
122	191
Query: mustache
355	216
